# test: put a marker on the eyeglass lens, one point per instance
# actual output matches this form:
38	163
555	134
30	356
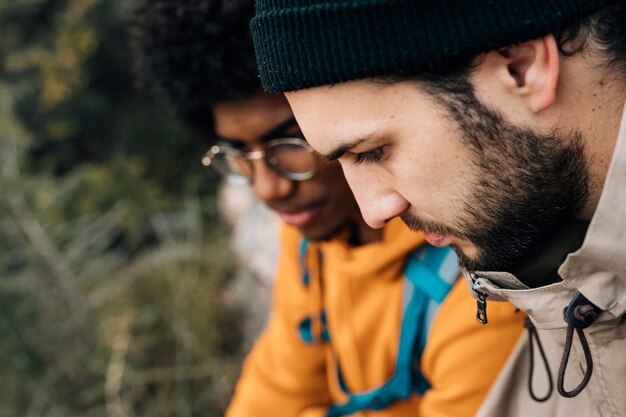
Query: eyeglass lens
287	158
291	158
232	164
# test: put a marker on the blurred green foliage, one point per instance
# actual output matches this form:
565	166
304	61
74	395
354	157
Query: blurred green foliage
113	263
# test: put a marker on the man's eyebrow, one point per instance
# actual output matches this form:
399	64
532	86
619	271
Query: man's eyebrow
279	129
340	150
273	133
235	143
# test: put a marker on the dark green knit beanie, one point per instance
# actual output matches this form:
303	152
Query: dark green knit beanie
305	43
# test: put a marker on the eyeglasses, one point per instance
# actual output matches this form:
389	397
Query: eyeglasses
291	158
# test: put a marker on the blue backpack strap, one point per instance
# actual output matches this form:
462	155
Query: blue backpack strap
430	274
432	271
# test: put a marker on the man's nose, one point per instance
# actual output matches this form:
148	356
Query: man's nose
268	185
377	199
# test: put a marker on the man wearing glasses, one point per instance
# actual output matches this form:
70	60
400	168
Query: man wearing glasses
363	321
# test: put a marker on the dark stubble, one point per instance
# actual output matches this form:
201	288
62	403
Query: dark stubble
525	185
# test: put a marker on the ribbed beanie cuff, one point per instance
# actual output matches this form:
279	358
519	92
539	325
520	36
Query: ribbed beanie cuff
305	43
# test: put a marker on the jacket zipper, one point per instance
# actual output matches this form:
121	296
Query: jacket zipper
481	301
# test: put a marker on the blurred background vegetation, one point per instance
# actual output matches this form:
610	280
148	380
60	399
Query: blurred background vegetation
113	263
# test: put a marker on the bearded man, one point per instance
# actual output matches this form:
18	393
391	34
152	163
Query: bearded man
492	127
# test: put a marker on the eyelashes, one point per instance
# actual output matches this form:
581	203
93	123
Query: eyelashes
372	156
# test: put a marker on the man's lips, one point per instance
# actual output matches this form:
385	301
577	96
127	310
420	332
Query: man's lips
437	239
299	217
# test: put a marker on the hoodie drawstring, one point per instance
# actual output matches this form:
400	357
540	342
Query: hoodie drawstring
580	314
532	334
565	359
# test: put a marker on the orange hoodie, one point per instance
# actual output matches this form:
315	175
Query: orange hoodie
339	310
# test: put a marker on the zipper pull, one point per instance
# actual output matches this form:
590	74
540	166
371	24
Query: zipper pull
481	312
481	302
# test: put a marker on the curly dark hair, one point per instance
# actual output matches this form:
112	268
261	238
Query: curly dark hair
194	54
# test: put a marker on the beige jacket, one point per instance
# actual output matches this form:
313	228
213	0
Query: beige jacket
597	271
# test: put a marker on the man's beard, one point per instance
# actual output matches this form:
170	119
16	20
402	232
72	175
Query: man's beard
525	185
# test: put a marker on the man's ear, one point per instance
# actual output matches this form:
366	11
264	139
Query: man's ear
530	71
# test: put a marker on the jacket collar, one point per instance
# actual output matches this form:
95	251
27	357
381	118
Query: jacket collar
598	268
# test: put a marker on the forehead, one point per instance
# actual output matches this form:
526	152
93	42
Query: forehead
331	115
248	120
